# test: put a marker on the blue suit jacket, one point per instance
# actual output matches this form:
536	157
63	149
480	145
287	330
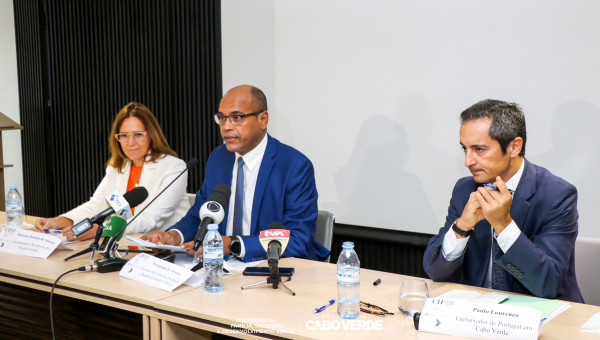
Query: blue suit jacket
285	192
541	262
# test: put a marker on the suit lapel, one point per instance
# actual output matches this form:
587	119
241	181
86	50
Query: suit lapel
525	190
264	173
147	173
122	179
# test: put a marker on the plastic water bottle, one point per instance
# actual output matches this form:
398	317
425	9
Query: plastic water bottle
348	281
14	208
212	247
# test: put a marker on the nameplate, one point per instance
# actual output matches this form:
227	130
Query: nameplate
28	243
152	271
480	320
119	205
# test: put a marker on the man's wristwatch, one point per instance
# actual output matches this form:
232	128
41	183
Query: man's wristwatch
460	231
235	246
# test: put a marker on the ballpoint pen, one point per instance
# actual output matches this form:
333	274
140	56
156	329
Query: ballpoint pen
53	231
322	308
493	187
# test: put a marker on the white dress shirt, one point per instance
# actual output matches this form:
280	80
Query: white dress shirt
252	161
453	247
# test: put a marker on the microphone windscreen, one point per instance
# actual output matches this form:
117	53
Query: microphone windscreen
192	163
221	194
114	226
136	196
276	225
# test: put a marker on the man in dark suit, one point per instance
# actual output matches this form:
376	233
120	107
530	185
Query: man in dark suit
277	185
512	225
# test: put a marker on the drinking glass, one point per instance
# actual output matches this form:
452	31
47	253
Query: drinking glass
413	295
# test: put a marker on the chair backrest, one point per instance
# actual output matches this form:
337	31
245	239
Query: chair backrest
191	198
324	231
587	252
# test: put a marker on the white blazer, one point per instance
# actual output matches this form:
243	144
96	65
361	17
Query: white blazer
169	208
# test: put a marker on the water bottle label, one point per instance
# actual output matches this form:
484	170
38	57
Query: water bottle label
349	276
13	208
213	253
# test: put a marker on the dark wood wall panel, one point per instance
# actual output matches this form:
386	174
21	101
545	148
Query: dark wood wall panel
24	314
36	137
386	250
99	56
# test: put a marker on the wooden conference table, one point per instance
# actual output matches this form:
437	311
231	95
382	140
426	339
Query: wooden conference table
256	312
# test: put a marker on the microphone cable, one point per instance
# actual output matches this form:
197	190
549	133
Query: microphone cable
52	293
189	166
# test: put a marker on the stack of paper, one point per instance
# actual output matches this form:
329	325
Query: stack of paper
548	308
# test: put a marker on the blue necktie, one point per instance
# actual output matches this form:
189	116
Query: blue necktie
498	279
238	214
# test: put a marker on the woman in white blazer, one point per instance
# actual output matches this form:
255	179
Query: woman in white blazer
140	156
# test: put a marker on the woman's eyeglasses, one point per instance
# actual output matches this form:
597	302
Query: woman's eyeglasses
124	137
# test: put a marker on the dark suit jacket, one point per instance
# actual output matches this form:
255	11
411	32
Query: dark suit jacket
541	262
285	192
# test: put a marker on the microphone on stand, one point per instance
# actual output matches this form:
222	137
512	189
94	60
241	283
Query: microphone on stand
212	211
108	264
112	234
104	265
274	240
133	197
190	165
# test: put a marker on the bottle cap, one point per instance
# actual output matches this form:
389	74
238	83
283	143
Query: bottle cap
12	187
348	244
213	227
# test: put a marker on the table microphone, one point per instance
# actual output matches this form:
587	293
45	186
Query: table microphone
134	197
190	165
112	234
104	265
212	211
274	240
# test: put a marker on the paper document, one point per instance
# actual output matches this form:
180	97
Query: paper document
468	295
149	244
592	325
548	308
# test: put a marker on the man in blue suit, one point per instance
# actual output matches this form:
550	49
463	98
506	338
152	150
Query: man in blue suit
270	182
512	225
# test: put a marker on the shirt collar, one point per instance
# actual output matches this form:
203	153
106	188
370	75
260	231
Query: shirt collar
253	157
513	182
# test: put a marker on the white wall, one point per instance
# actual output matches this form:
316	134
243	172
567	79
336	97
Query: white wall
371	91
9	98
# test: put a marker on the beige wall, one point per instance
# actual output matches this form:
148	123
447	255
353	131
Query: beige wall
9	96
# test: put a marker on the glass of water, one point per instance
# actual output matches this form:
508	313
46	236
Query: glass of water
413	294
